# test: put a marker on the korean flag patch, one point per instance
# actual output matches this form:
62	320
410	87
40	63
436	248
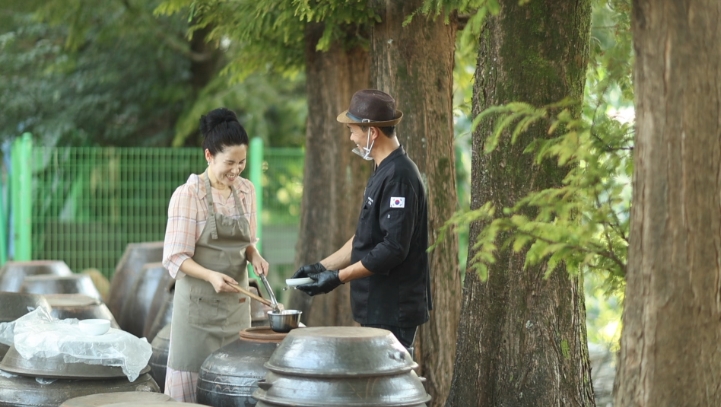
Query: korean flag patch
397	202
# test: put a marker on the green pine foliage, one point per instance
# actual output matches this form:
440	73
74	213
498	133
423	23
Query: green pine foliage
269	35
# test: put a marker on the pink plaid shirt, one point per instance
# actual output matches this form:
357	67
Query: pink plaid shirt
188	212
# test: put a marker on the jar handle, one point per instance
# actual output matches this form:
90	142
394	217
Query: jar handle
264	385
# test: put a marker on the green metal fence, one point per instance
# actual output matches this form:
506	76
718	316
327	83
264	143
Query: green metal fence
89	203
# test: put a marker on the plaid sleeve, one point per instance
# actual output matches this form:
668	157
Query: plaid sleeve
252	214
180	233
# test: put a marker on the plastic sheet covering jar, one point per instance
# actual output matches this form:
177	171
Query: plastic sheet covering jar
39	335
229	376
341	366
15	305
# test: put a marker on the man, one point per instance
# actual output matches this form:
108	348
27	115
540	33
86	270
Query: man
386	260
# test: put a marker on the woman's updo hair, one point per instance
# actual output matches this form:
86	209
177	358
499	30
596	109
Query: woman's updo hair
220	129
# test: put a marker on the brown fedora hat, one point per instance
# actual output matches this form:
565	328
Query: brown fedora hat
371	107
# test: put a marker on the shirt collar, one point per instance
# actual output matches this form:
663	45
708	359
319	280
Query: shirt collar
400	151
240	185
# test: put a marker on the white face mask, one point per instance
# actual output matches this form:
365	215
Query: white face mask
367	149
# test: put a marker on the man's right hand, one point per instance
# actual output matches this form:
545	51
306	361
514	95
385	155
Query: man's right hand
306	270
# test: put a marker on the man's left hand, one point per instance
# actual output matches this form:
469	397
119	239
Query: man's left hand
323	282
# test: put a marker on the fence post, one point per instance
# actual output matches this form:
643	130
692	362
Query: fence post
256	177
21	196
3	223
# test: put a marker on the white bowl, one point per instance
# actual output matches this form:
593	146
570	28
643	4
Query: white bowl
94	326
293	282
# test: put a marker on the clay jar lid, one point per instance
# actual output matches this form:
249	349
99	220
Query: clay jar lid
261	334
13	273
340	352
103	399
15	305
51	284
70	300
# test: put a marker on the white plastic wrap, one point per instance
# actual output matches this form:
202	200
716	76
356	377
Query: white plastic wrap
6	333
38	334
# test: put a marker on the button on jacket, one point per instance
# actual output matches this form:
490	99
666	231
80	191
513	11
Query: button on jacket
391	241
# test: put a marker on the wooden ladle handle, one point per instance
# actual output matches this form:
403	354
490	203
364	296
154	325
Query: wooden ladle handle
251	295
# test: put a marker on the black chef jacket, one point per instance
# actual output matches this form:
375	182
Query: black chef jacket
391	241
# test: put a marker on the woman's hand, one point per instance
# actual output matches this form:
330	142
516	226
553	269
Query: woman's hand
260	266
220	282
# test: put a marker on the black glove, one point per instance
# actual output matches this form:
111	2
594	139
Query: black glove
306	271
323	282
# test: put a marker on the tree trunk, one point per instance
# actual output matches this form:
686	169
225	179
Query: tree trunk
333	181
522	338
415	65
670	341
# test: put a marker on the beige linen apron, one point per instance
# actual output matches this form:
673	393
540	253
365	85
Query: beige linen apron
203	320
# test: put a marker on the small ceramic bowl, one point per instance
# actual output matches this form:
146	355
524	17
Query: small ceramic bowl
94	326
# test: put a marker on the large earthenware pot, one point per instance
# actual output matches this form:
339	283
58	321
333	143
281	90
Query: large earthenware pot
14	305
164	316
20	391
229	376
127	270
159	359
49	284
164	293
104	399
136	306
79	306
341	366
55	367
13	273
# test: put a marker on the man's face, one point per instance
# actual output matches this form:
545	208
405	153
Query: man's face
358	136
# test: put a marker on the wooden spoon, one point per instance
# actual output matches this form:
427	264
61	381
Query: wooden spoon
251	295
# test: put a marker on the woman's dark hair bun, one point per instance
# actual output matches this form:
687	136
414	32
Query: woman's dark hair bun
209	121
220	129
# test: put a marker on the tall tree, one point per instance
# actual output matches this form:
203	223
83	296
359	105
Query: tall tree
414	63
333	179
671	331
522	338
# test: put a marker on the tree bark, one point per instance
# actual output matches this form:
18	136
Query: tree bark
333	181
670	342
522	338
415	65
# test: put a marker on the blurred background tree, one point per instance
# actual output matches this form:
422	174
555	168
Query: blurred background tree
85	73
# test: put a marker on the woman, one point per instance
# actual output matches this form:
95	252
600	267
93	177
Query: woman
209	240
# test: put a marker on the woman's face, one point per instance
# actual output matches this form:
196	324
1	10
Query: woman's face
227	165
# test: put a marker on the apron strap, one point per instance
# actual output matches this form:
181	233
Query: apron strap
210	222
